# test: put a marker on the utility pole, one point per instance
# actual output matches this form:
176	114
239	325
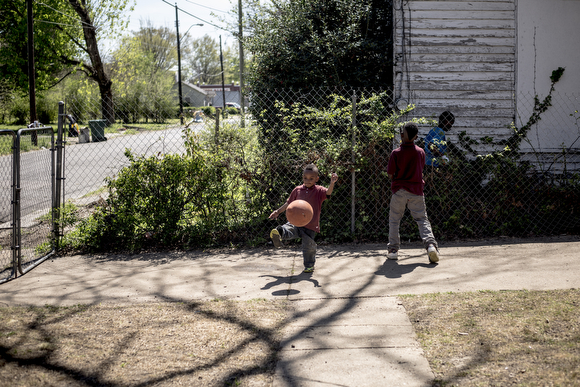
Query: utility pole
223	85
31	72
241	50
179	66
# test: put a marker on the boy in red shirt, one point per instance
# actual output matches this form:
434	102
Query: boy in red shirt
314	195
405	169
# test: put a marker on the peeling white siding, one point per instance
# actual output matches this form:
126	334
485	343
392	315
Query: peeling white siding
458	56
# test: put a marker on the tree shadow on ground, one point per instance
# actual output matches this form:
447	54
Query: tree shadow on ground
50	331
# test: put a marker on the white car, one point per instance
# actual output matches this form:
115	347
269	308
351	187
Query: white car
234	105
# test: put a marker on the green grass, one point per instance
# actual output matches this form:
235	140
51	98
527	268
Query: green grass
95	192
25	144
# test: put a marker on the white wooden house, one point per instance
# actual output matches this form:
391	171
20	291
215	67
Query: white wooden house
486	60
192	95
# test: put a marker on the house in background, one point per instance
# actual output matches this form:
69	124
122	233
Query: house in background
485	61
232	93
191	94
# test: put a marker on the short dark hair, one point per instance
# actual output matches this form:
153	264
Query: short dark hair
447	116
412	129
311	168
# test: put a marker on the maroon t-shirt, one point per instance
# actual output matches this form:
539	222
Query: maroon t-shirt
406	165
314	195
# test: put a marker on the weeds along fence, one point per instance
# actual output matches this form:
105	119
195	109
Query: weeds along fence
153	181
27	165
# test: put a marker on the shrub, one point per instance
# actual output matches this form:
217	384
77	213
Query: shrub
20	111
177	200
208	111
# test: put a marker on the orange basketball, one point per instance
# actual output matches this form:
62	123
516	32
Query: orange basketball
299	213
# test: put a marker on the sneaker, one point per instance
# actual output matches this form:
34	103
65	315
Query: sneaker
309	269
276	240
393	254
433	254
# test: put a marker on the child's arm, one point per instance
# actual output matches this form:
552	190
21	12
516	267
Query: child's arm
277	212
333	179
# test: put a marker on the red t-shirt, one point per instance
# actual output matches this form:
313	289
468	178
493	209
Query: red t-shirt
406	165
314	195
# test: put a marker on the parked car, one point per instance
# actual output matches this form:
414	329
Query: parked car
234	105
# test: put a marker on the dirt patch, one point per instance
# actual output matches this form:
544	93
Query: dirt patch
213	343
523	338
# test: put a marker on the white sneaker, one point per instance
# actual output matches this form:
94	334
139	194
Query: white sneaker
433	254
393	254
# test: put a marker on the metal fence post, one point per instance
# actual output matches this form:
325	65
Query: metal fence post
17	237
58	178
15	202
353	159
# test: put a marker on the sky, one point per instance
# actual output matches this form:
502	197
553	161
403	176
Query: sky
163	14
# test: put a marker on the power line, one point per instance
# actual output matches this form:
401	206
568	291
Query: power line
62	13
204	6
61	24
198	18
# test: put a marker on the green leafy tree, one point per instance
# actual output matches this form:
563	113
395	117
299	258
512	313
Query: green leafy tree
232	63
321	43
202	64
143	78
66	37
98	17
160	42
53	43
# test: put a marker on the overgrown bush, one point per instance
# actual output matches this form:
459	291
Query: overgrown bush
20	111
231	177
297	134
196	199
47	109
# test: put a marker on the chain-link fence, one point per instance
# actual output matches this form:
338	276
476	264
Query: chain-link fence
491	187
36	183
7	258
28	174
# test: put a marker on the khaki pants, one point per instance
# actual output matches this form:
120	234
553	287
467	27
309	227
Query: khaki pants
399	201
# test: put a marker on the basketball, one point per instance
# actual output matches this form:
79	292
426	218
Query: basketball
299	213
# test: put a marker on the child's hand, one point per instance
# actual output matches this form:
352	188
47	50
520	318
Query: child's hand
274	214
333	178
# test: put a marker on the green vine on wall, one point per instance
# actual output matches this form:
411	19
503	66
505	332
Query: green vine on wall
512	144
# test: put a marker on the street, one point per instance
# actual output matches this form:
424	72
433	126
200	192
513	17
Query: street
86	166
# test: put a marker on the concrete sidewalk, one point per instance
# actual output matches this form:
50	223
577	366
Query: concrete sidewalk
347	328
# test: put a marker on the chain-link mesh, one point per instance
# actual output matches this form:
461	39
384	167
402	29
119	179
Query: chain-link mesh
553	142
36	182
488	188
6	215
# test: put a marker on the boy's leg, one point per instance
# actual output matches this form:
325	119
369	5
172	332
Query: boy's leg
308	248
417	208
396	212
418	211
284	232
288	231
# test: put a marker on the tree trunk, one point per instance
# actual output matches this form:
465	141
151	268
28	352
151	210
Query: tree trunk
97	68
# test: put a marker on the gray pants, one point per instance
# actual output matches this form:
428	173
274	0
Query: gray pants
416	204
289	231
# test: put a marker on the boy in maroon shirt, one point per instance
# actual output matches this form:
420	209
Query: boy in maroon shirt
405	169
314	195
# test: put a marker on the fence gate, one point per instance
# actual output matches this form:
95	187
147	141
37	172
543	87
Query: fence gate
31	169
